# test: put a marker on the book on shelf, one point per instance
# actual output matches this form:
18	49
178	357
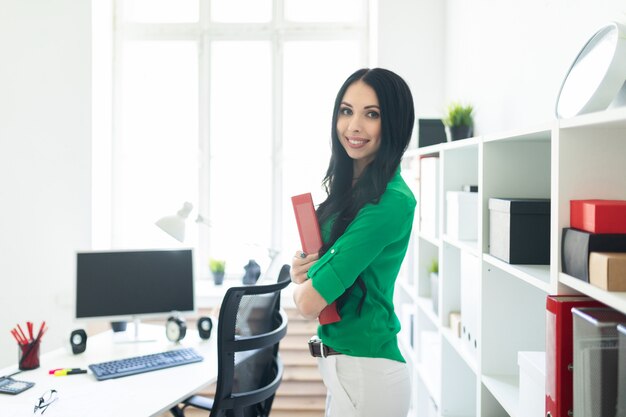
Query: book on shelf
560	351
311	241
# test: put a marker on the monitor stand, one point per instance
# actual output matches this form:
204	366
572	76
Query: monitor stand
135	333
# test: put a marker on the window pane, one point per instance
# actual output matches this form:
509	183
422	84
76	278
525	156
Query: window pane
161	11
324	10
241	11
313	73
156	159
241	164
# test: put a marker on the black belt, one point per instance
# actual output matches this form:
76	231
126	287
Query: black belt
320	350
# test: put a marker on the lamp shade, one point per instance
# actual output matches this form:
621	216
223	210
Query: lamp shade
174	225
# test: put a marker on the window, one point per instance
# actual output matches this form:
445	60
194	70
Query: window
225	104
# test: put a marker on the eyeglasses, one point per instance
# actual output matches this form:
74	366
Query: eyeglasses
45	400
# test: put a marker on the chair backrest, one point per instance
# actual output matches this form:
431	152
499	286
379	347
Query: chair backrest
250	327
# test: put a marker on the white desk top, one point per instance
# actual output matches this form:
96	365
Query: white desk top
147	394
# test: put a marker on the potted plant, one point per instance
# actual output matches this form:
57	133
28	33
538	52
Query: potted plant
460	120
433	271
217	267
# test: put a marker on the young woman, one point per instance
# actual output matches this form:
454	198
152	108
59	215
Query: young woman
366	222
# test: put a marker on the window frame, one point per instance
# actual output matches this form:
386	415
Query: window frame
204	32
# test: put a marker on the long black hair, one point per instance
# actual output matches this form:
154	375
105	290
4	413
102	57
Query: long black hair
397	118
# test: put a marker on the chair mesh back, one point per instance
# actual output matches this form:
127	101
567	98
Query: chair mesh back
257	314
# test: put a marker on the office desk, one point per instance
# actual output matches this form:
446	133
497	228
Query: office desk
147	394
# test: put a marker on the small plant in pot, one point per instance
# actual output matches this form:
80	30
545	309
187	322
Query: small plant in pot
217	267
460	120
433	271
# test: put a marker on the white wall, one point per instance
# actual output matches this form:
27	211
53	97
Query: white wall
410	42
45	163
509	57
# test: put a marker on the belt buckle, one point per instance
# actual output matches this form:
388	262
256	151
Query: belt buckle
316	340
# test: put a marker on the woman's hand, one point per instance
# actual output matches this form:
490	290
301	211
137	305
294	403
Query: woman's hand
301	264
308	301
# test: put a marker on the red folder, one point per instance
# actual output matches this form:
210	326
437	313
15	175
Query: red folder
560	352
311	240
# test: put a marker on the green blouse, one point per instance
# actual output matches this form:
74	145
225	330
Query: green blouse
372	246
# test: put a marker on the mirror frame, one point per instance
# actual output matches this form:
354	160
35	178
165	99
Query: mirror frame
613	78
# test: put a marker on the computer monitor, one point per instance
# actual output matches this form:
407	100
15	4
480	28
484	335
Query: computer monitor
134	284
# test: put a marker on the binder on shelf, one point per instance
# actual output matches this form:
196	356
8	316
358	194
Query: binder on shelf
560	351
621	371
596	361
311	240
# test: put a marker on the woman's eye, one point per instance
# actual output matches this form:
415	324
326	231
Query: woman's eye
346	111
373	115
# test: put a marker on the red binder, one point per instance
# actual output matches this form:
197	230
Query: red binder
311	240
560	351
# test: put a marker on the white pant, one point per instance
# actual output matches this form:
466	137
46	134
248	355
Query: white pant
365	387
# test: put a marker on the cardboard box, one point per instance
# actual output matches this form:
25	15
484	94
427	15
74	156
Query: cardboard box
607	270
455	323
462	215
532	383
578	244
519	230
598	216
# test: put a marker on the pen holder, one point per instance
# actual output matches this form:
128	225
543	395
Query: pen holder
28	355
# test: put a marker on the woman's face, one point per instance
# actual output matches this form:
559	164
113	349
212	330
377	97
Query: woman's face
359	125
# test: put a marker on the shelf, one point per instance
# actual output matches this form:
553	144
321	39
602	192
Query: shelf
613	118
470	246
461	143
541	133
617	300
535	275
426	307
431	380
542	161
408	290
505	389
430	239
456	344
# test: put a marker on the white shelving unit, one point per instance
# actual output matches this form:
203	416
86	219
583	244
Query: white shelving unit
502	305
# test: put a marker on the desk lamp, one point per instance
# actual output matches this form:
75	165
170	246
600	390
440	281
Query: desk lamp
174	225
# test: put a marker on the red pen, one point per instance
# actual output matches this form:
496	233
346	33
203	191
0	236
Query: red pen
29	326
39	334
17	337
22	333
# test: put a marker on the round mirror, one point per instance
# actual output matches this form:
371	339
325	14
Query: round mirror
597	74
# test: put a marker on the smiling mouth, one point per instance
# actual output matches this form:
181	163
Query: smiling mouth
356	141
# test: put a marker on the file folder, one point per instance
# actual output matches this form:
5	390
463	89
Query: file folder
311	240
560	351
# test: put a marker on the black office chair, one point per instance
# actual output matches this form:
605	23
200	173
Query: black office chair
250	327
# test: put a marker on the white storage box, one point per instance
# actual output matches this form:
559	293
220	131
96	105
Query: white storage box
470	302
532	383
429	197
462	215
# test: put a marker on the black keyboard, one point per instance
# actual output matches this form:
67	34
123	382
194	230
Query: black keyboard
146	363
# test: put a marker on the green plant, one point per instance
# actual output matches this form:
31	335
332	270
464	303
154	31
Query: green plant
433	268
217	266
459	115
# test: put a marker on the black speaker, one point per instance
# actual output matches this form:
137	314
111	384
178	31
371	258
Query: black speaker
205	325
78	340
